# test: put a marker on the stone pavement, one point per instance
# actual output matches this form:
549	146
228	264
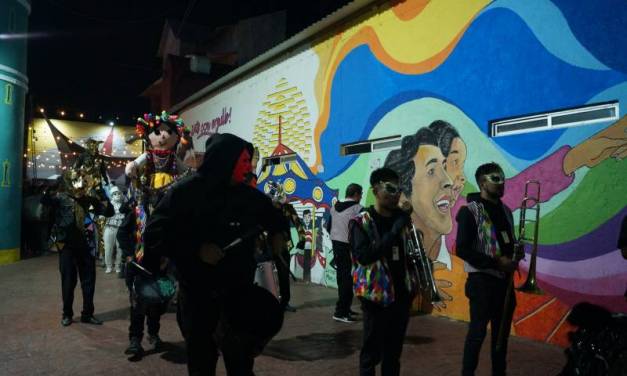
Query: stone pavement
33	342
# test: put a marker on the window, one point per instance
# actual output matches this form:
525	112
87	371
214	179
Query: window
368	146
570	117
278	159
8	94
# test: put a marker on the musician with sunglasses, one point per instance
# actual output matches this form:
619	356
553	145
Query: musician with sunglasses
377	238
485	241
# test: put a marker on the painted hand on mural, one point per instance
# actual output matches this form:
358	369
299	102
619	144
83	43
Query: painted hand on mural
609	143
442	284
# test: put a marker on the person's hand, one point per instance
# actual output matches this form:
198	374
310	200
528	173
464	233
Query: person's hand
505	264
129	258
608	143
405	206
210	253
131	169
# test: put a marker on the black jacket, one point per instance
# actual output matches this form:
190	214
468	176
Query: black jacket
206	208
65	229
466	242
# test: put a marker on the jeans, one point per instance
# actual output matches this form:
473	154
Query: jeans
487	302
344	264
73	263
384	333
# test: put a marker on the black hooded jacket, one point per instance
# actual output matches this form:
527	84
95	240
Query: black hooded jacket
206	208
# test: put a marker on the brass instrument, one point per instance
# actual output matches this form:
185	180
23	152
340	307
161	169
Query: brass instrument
531	285
529	202
421	265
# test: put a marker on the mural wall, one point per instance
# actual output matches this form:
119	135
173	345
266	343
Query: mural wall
437	73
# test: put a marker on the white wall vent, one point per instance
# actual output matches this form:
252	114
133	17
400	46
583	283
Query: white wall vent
368	146
582	115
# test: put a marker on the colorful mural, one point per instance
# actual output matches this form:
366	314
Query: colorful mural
436	73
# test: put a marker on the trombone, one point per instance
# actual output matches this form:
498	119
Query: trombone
421	265
531	201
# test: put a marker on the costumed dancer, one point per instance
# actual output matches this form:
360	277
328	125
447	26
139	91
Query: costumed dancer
152	173
111	230
80	197
162	163
208	224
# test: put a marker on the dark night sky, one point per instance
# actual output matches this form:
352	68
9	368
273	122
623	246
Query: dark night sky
98	56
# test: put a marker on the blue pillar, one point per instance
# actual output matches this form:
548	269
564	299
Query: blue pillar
13	88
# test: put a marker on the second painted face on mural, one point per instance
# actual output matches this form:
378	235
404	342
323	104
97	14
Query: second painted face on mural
454	166
163	138
432	189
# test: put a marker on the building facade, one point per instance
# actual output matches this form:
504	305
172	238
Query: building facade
538	87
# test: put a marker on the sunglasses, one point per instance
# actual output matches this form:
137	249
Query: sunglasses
390	188
496	178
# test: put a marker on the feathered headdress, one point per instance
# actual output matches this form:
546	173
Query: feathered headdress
150	122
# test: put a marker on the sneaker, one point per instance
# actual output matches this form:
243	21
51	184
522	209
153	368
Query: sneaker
66	321
289	308
109	270
351	312
346	319
118	270
135	347
155	341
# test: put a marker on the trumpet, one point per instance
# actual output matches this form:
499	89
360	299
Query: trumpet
421	270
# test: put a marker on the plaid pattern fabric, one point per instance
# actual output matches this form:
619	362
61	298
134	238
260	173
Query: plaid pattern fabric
486	232
372	282
140	225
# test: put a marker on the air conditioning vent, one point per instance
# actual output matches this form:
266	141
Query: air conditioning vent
368	146
583	115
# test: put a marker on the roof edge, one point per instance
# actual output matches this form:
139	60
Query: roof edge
295	41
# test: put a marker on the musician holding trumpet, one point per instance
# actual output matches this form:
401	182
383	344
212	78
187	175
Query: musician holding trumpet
486	242
381	277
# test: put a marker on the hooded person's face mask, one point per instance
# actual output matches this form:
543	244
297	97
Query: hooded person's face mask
243	167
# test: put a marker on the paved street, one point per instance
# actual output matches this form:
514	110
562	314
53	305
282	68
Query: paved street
35	343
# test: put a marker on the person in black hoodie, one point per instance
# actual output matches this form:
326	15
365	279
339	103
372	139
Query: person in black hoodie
341	213
192	225
486	241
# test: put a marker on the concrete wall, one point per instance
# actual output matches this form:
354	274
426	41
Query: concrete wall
397	69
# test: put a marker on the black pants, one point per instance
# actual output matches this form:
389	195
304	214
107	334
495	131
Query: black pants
384	332
487	302
199	317
344	264
283	273
140	314
73	263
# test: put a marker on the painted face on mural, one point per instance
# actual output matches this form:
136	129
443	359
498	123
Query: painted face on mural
307	219
242	168
432	189
163	138
454	166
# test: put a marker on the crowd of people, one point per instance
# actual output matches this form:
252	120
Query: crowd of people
198	237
